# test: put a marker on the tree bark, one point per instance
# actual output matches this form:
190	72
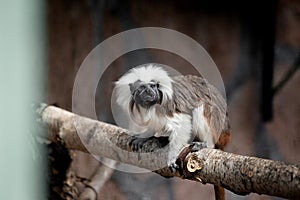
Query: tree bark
237	173
243	174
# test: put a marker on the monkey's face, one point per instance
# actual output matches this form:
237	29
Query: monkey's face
145	94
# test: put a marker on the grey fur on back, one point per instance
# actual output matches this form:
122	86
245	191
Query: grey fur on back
191	92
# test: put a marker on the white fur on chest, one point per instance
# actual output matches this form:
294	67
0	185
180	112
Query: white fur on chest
179	125
163	125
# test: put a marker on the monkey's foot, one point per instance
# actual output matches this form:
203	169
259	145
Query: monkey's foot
172	162
137	143
173	167
196	146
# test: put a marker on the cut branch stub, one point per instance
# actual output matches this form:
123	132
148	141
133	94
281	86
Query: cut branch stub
194	164
243	175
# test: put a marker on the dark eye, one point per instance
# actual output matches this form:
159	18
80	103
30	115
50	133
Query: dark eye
142	87
153	86
157	85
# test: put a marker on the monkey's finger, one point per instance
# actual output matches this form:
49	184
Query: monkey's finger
137	143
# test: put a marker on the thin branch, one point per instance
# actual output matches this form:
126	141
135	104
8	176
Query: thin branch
99	178
239	174
289	74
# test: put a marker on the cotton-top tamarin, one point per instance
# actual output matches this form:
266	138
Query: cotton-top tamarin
186	108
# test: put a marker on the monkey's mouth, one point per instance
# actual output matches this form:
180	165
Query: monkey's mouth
149	97
149	100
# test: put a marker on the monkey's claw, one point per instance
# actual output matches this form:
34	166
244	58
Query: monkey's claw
173	167
172	164
137	143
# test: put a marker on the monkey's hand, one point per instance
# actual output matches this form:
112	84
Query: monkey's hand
140	139
137	143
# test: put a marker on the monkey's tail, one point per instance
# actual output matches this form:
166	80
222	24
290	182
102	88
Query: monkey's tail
219	192
224	139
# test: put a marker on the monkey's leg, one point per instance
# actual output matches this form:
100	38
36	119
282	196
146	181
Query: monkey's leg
180	129
177	141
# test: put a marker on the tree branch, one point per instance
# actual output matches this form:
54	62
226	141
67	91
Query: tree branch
99	178
288	75
243	175
239	174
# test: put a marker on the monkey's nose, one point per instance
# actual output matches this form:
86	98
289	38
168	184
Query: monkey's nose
149	95
149	92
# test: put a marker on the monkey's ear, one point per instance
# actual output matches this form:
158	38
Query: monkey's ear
134	86
131	88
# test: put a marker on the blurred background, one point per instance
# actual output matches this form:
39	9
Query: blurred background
255	44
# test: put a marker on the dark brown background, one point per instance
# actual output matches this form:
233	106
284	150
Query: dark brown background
228	31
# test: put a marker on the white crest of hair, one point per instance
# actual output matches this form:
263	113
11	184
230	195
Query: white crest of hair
145	73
